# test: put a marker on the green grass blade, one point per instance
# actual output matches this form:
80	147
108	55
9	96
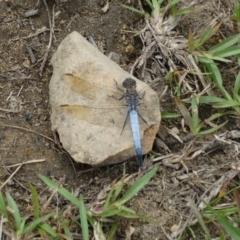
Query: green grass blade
200	219
220	59
214	129
210	99
66	229
3	209
218	115
47	228
90	219
35	201
15	209
34	224
238	59
217	79
133	9
22	225
191	41
237	12
208	34
138	185
119	188
198	128
150	4
237	84
184	11
226	104
83	217
155	5
107	202
236	96
126	209
233	232
111	233
232	51
173	2
192	233
224	44
206	58
165	115
61	190
110	213
223	212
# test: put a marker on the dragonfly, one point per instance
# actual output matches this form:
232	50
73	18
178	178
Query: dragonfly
125	101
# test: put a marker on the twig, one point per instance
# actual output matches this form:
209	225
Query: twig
14	179
28	130
10	94
19	91
27	162
11	19
6	78
46	205
142	58
30	52
37	4
19	166
31	13
8	110
11	176
31	23
51	26
72	19
140	6
199	74
39	31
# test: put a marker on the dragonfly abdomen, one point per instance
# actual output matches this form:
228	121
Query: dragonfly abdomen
136	136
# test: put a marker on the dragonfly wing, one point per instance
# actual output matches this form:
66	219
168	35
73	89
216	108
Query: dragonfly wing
97	116
104	109
86	88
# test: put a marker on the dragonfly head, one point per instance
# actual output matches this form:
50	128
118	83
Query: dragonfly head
129	84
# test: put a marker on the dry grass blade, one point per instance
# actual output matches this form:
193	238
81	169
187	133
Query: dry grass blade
236	195
19	166
27	130
51	26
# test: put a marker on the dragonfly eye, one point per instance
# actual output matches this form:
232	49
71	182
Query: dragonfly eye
129	83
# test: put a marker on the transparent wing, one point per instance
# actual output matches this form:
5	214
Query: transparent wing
88	89
108	111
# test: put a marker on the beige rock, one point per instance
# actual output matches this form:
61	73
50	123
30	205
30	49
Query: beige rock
88	119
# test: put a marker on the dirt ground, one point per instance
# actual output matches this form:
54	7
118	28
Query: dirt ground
24	102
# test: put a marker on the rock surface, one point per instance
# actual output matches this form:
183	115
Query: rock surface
90	129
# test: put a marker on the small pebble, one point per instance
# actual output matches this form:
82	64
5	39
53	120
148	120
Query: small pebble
129	49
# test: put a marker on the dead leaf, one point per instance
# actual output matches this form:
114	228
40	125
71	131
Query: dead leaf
129	232
105	8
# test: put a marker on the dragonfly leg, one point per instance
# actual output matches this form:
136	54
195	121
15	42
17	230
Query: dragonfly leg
120	89
142	118
125	122
123	96
141	95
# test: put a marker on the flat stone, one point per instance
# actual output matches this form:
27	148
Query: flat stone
86	113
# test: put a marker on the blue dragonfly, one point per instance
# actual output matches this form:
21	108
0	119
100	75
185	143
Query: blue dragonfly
133	107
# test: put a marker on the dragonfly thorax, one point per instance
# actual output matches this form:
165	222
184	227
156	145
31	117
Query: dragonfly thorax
130	85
